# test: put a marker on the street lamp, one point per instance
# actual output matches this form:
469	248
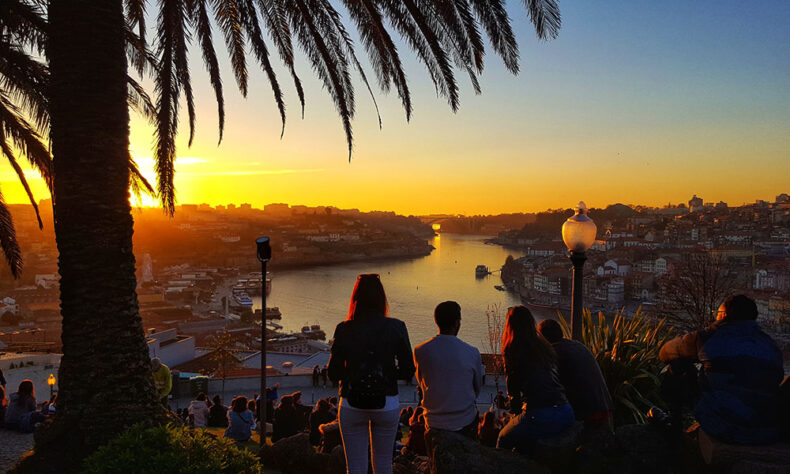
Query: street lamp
578	233
264	250
51	382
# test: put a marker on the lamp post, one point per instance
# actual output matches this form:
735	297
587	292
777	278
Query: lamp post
51	382
264	251
578	233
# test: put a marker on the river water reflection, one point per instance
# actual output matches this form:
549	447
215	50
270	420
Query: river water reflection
320	295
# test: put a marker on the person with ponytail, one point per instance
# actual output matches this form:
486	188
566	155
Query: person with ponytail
537	398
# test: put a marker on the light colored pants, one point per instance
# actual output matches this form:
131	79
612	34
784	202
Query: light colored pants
360	427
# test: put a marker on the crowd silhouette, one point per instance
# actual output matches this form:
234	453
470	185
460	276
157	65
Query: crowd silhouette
553	385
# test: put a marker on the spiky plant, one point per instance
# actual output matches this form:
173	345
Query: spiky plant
626	349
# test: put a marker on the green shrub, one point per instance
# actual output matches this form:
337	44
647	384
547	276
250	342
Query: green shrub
171	450
627	353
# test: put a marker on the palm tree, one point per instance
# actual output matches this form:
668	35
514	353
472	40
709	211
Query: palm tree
23	109
24	115
105	380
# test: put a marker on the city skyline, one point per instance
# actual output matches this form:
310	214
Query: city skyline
634	102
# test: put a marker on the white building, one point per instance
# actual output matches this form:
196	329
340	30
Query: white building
171	348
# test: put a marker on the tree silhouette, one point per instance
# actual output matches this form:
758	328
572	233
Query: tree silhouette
105	378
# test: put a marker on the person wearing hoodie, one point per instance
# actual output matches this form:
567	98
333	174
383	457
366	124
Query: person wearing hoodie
198	409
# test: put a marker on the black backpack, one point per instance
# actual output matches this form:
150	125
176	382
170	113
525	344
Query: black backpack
367	388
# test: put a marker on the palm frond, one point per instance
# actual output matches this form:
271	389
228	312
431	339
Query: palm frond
381	49
202	24
327	66
21	175
250	19
140	101
276	22
8	242
348	50
135	17
25	138
227	16
545	16
494	19
24	80
137	181
170	23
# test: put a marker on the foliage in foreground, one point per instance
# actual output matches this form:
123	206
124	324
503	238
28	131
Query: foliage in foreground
170	450
627	352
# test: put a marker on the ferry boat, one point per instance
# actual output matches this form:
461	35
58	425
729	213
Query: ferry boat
313	332
481	270
241	301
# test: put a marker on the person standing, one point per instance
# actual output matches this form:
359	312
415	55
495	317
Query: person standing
316	375
532	378
370	353
163	380
450	375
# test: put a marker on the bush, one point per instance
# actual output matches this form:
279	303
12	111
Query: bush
170	449
627	353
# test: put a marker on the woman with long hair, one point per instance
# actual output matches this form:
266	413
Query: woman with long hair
533	381
370	353
240	420
21	414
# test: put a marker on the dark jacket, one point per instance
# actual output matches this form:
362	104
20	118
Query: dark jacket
739	384
386	337
287	422
218	416
530	381
317	419
581	376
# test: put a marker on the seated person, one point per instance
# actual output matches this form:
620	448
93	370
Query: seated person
581	376
741	372
240	420
287	420
537	397
218	413
318	417
199	411
20	413
416	441
450	374
488	431
330	436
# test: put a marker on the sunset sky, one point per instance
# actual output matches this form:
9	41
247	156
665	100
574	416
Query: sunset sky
637	101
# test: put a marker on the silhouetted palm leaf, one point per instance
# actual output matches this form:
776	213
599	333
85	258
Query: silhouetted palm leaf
8	242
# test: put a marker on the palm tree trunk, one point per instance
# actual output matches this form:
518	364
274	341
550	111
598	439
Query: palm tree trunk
105	378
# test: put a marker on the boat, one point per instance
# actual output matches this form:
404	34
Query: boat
240	302
499	287
313	332
481	270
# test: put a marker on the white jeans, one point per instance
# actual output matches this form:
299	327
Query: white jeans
359	427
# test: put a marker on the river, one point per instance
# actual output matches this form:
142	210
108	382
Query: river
320	295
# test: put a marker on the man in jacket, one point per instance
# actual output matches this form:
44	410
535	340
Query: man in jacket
741	372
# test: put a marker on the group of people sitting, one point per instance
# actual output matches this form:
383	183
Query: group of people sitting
20	411
552	382
238	419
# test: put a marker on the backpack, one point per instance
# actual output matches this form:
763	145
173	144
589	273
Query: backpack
367	387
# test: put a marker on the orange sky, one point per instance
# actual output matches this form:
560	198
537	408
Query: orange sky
640	104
